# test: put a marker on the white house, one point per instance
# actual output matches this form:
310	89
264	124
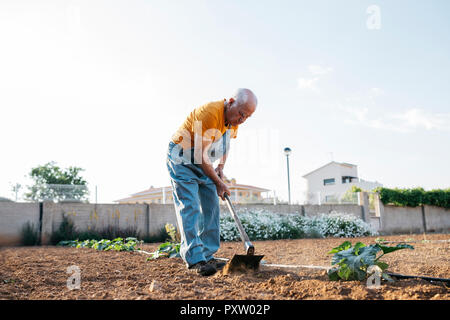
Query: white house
328	183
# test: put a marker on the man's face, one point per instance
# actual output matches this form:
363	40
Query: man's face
238	114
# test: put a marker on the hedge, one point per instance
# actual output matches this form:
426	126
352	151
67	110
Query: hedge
415	197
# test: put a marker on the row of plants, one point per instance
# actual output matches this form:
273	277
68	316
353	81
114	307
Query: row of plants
259	224
117	244
265	225
349	262
415	197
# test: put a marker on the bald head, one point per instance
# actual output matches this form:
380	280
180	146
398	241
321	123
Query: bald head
245	97
241	106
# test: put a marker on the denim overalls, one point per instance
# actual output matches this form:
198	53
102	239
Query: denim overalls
196	201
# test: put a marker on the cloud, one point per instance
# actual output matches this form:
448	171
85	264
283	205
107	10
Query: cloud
409	120
417	118
376	92
308	84
315	73
319	70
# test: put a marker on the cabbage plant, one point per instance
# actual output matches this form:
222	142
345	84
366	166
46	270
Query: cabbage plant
352	262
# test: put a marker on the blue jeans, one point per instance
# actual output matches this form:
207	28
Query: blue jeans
196	207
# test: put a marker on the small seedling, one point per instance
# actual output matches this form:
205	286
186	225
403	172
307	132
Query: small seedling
169	249
380	240
352	263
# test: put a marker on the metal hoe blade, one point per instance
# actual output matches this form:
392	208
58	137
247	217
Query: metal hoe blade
242	263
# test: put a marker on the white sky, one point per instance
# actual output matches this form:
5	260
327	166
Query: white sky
102	85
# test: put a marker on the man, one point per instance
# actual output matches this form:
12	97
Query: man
202	139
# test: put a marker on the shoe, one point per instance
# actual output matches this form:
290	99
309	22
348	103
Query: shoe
202	268
218	264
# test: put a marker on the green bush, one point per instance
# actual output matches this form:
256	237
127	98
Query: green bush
109	232
161	236
66	231
415	197
29	235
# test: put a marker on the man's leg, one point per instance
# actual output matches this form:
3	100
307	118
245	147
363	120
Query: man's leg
187	208
210	228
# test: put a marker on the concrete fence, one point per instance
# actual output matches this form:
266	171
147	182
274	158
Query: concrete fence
149	219
13	216
146	219
395	220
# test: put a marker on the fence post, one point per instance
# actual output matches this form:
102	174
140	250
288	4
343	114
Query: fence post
40	221
424	222
147	219
363	201
379	210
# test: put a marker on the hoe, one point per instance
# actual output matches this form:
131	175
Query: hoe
242	263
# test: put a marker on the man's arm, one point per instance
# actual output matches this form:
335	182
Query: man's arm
208	169
220	166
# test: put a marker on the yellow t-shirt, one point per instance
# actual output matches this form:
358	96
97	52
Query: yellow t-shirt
209	119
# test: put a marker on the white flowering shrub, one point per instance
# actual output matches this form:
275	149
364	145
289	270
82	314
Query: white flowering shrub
266	225
341	225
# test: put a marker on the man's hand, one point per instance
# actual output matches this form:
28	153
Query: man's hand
216	175
219	171
222	189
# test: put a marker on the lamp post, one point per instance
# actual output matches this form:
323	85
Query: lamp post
287	152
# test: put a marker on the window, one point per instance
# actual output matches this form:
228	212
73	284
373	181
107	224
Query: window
349	179
327	182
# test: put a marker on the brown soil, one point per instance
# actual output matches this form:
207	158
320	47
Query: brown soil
40	273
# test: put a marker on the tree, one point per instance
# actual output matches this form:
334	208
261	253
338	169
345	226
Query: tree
53	183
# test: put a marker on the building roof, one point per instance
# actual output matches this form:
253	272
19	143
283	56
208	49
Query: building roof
344	164
155	192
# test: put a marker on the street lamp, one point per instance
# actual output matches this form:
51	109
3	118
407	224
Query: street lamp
287	152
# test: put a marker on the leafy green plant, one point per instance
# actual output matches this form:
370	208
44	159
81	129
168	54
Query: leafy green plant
117	244
352	262
65	231
415	197
169	249
160	236
172	232
166	250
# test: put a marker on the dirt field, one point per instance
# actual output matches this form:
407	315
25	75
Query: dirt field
40	273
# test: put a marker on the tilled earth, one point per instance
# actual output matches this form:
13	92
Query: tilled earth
41	273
